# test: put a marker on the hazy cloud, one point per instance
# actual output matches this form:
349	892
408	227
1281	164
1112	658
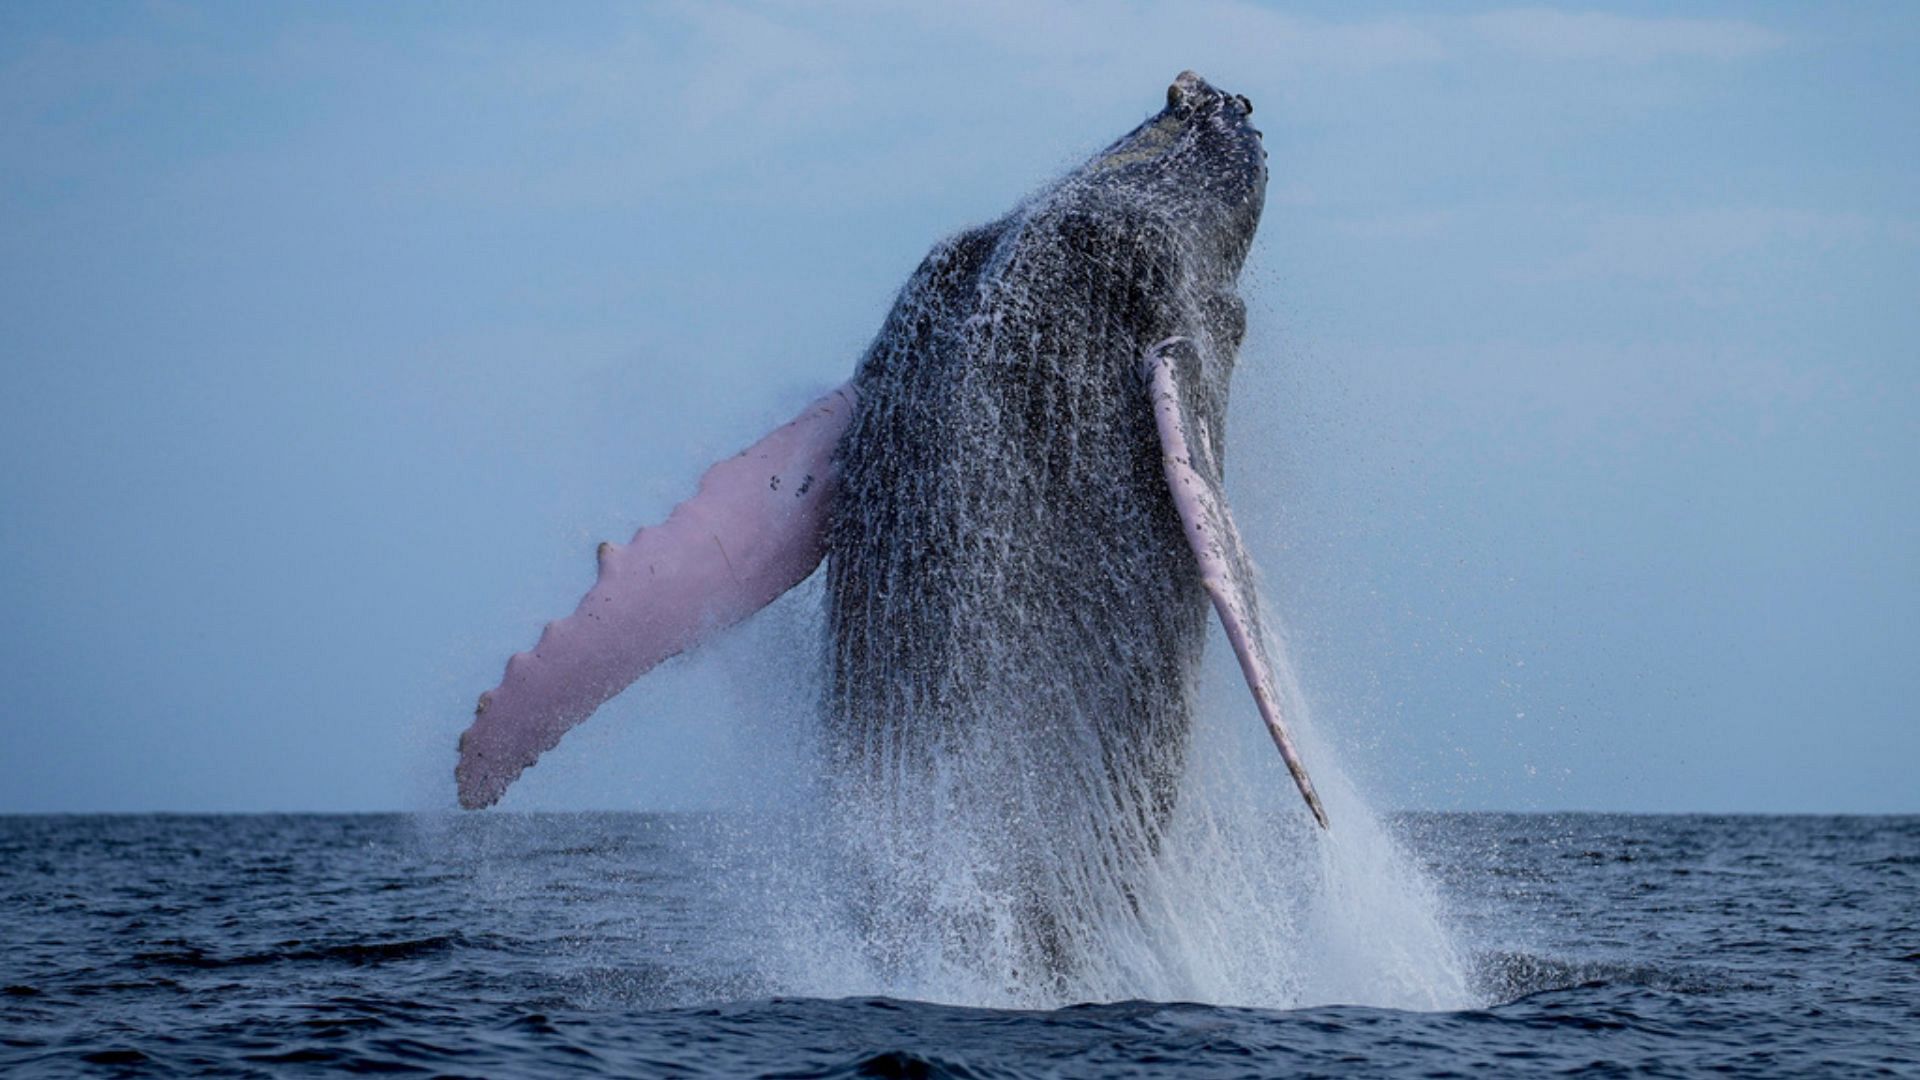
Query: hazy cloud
1691	248
1547	34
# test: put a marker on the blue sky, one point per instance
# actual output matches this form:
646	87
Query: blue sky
1575	429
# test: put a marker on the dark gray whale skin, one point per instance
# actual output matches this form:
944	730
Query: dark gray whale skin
1004	564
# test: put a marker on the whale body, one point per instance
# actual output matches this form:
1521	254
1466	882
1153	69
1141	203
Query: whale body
1018	498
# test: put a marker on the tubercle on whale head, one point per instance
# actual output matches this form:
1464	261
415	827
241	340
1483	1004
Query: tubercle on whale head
1189	92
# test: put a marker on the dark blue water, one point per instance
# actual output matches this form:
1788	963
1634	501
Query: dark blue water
497	945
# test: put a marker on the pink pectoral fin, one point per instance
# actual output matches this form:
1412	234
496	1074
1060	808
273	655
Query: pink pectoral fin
753	530
1194	477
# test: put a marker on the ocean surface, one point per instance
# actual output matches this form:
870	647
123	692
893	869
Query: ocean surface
494	945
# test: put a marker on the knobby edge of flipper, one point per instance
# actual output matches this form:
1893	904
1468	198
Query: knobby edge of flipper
754	529
1226	572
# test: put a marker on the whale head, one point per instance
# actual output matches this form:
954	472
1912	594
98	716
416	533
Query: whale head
1157	225
1199	163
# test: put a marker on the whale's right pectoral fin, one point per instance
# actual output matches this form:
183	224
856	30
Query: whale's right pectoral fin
754	530
1200	497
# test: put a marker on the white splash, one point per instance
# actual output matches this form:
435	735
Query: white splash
1244	903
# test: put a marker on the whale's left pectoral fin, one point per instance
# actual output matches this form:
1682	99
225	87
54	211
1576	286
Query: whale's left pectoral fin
1193	474
753	530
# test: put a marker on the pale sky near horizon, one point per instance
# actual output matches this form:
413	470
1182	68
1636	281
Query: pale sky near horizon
1575	431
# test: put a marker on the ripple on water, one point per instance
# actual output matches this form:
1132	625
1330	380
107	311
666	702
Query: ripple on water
590	944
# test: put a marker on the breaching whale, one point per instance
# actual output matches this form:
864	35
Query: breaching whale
1018	497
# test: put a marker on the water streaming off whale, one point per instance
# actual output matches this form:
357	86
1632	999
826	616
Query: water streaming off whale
1241	901
1030	793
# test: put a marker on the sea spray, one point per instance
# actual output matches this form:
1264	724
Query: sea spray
1377	932
1259	908
911	891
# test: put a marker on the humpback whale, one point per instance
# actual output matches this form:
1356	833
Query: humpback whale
1019	500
